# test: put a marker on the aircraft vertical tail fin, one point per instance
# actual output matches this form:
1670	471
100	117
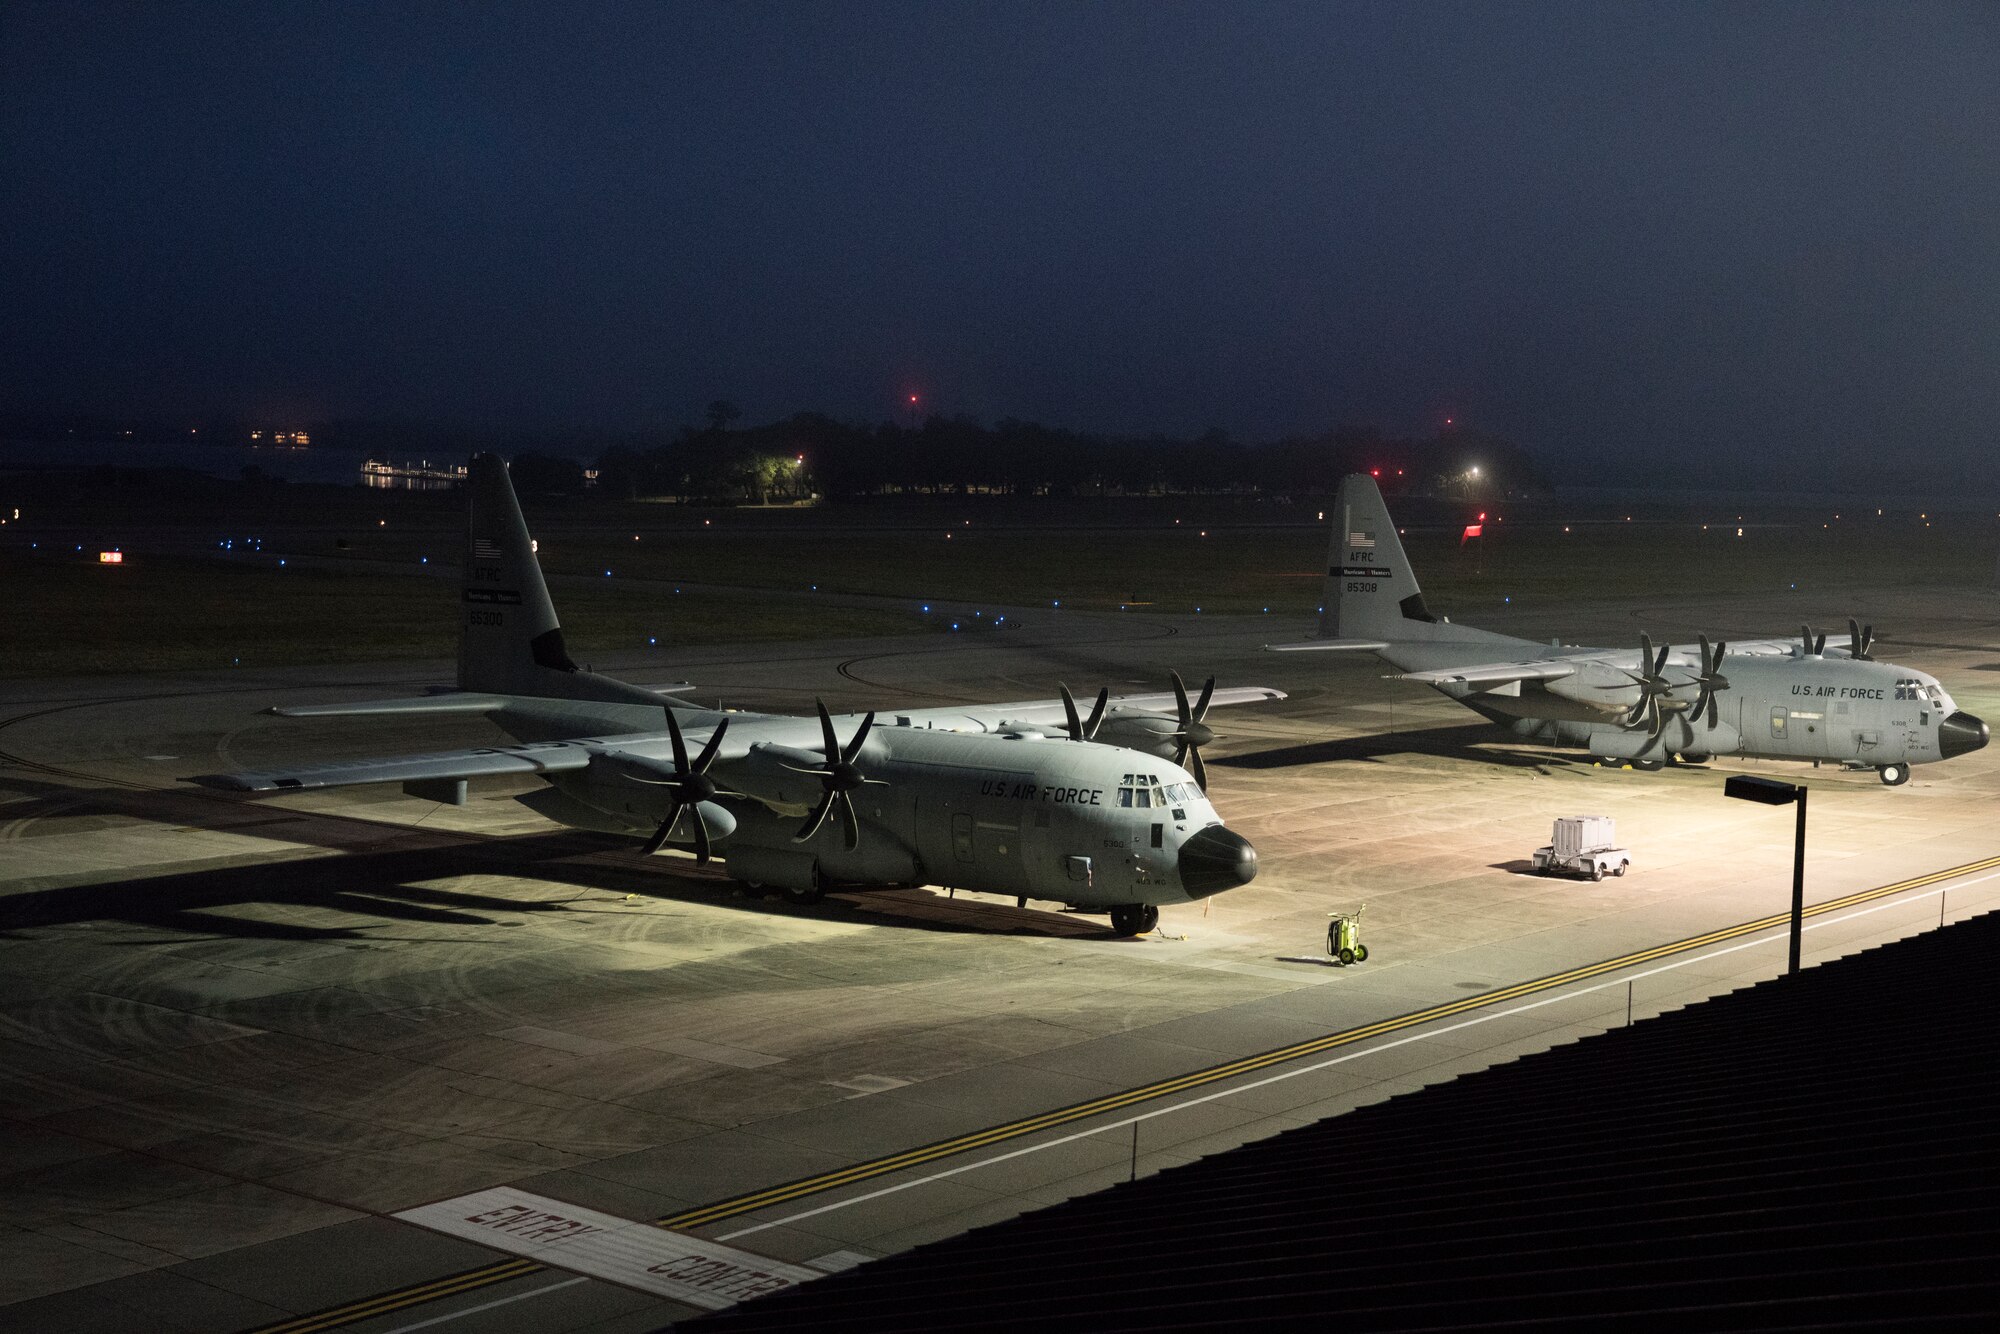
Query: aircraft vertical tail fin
1370	591
510	642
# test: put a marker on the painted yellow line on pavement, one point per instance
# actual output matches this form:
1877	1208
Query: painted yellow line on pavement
979	1139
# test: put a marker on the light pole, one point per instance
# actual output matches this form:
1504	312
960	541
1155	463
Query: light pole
1771	792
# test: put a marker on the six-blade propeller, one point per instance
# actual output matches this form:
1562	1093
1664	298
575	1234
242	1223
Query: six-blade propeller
1654	687
688	787
840	777
1192	735
1709	680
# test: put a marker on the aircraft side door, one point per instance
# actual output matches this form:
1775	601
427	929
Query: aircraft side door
969	829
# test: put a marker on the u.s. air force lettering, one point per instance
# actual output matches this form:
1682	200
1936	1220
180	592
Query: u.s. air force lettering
1018	791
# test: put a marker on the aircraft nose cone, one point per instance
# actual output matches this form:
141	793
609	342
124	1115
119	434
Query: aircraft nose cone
1216	859
1960	733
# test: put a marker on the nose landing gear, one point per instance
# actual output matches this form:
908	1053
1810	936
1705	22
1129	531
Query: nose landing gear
1134	919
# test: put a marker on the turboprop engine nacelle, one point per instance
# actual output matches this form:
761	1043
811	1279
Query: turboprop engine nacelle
1677	738
637	791
1140	730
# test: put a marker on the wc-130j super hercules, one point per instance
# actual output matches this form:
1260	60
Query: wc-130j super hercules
1772	699
1030	799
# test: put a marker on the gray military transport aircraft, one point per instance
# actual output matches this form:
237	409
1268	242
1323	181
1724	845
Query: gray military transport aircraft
1028	799
1780	699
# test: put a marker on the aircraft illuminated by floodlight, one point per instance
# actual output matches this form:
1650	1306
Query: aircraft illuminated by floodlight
1780	699
1029	799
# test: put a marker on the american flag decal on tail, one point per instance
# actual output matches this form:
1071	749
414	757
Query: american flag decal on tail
1361	541
485	548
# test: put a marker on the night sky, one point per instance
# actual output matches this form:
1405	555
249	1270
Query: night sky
1700	243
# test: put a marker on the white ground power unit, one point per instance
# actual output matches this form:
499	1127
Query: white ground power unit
1583	845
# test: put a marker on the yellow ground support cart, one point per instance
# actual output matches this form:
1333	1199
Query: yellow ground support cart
1343	937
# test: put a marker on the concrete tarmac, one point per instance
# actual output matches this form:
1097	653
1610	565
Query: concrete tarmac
240	1036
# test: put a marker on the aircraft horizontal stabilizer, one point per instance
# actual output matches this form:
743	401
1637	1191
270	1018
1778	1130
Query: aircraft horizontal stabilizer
1496	673
552	758
447	703
1330	646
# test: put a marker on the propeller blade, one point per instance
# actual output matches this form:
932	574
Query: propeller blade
1180	699
850	827
1096	713
701	843
1197	768
817	818
1201	704
666	829
1646	656
860	737
680	746
1805	638
1859	640
1660	663
707	756
831	746
1071	722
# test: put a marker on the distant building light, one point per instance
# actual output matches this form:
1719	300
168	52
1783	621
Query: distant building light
111	558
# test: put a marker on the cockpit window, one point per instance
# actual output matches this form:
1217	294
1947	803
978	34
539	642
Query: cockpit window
1142	790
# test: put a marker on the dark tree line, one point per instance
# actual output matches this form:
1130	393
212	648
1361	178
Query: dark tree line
811	453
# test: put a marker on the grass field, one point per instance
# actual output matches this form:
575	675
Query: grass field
169	608
161	614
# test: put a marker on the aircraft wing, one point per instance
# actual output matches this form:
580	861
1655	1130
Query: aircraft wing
444	701
1776	648
450	764
987	717
1329	646
1488	675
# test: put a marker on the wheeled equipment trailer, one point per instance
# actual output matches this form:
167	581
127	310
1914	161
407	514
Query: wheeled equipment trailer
1343	938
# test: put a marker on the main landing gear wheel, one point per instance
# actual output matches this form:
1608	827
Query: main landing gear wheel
1649	766
1894	775
811	894
1134	919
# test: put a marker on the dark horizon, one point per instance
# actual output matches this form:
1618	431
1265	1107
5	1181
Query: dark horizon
1712	245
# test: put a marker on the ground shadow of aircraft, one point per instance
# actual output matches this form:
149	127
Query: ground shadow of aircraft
383	867
1459	741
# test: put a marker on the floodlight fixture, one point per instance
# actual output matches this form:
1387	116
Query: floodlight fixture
1771	792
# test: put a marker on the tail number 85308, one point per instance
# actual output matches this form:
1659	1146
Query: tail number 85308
1356	586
